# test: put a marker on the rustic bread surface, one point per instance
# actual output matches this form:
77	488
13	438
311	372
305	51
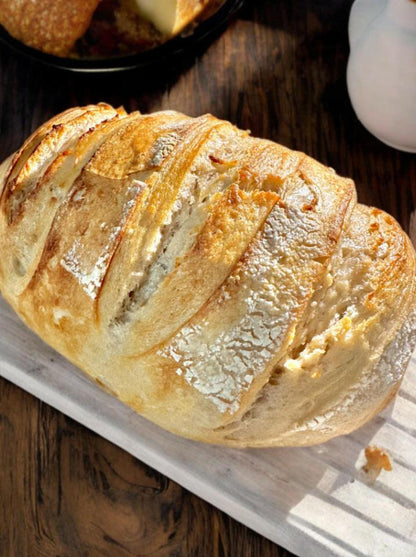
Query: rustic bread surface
225	287
52	26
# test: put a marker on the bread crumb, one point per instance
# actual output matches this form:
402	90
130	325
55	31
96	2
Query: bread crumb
377	460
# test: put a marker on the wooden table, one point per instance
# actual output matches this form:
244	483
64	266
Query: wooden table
279	70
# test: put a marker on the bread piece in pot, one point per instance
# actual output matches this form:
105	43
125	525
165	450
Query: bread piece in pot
225	287
52	26
115	27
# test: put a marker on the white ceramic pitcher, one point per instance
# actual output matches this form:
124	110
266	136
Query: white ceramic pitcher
381	73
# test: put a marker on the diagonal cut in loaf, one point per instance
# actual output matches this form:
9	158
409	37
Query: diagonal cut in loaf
225	287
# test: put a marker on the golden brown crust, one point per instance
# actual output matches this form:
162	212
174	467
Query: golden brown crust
188	10
221	285
52	26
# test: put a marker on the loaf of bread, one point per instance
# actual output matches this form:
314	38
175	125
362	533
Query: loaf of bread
225	287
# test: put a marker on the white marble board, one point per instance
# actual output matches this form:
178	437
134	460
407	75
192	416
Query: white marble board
313	501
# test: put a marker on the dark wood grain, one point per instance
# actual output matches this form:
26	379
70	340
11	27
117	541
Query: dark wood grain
279	70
